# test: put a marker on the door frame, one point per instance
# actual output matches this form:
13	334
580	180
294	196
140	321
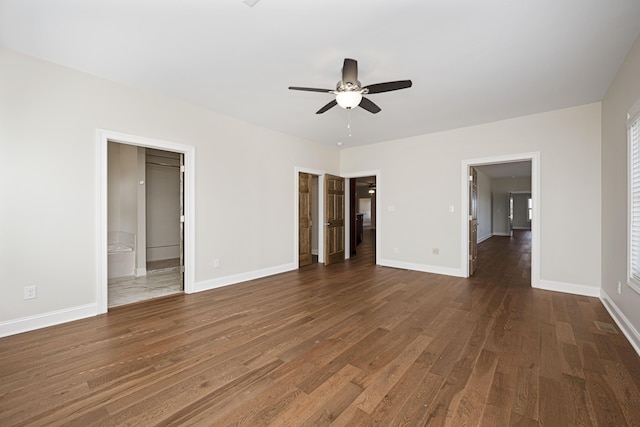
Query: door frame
511	194
534	158
379	213
296	207
103	137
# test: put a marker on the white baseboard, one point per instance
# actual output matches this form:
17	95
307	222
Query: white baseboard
500	233
485	237
314	251
567	288
621	320
141	272
31	323
421	267
242	277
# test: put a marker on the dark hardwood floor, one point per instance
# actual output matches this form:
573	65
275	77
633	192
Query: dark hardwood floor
350	344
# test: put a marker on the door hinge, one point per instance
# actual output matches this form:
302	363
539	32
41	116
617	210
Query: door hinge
182	168
470	177
181	218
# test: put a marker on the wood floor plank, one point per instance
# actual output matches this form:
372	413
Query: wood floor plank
352	344
579	408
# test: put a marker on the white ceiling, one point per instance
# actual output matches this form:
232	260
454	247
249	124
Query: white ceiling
471	61
507	170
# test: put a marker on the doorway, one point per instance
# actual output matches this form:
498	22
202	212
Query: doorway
308	219
362	216
320	212
309	214
365	185
135	233
145	233
497	179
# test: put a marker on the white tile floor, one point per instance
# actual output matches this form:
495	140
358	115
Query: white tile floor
126	290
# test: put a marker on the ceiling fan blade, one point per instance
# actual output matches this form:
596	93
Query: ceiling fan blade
369	106
350	71
388	86
327	107
310	89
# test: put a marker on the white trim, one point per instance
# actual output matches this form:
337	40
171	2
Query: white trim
141	272
621	320
502	233
103	137
38	321
379	214
296	211
534	158
425	268
233	279
483	238
633	285
568	288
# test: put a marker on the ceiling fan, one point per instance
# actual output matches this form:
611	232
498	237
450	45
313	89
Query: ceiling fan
349	91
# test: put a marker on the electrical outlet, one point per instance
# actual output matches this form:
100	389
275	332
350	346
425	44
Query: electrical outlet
435	251
619	288
216	263
30	292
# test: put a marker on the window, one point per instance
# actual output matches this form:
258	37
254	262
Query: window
633	137
529	209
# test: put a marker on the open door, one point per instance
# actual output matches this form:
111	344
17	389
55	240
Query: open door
334	192
305	256
473	221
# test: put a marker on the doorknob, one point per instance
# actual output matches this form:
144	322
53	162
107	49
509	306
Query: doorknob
328	224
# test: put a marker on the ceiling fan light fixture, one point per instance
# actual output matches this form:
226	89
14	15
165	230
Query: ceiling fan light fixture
348	99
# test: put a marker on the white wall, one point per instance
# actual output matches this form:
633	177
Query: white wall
485	228
420	179
49	116
123	188
622	94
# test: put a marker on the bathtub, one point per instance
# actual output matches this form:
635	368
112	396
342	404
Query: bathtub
121	254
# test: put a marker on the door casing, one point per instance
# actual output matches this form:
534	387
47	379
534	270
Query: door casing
379	213
534	158
103	137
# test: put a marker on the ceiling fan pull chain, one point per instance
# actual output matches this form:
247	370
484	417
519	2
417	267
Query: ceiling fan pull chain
349	120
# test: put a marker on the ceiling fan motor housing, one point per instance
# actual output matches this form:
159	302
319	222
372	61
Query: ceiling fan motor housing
348	86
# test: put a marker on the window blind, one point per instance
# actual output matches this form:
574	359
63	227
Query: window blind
634	196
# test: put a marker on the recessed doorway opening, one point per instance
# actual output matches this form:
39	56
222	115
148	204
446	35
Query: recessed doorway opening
122	224
145	233
488	187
